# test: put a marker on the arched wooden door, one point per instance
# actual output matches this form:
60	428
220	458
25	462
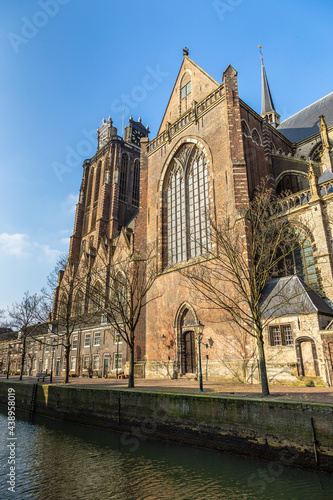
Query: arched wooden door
189	354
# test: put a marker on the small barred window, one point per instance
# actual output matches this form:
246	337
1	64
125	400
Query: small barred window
281	335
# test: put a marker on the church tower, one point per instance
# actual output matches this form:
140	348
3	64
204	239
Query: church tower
109	193
267	105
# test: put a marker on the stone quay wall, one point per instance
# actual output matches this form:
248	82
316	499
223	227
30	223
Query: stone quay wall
287	432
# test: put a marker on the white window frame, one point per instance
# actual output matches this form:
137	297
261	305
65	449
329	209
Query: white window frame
86	336
73	364
74	342
85	361
98	334
95	362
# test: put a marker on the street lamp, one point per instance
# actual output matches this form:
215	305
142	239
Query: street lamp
9	353
53	344
199	332
117	355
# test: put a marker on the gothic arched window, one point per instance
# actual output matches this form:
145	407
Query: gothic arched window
136	184
301	261
123	177
97	297
245	129
187	206
255	137
78	304
97	183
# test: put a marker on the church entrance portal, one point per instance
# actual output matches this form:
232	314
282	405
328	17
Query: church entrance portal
186	345
307	361
189	354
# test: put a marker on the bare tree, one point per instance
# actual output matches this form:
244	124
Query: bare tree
69	282
126	279
24	315
246	251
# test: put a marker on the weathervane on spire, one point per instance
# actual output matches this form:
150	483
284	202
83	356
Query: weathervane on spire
186	50
259	47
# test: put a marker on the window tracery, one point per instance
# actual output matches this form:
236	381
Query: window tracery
187	201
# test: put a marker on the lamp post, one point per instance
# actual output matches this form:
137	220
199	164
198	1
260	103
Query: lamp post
53	344
199	331
117	341
9	353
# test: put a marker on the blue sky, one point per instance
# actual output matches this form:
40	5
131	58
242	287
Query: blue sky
66	64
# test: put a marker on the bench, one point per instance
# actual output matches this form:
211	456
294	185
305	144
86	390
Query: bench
42	376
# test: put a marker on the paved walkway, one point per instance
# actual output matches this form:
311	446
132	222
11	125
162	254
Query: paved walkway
234	389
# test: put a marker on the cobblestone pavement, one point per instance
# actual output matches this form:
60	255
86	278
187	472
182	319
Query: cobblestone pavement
182	386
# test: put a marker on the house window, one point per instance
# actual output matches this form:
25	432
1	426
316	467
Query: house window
73	363
188	232
136	184
85	362
87	340
280	335
46	364
97	338
95	362
64	363
117	361
34	364
74	342
40	361
47	347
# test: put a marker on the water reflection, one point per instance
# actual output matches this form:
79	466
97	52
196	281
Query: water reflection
58	460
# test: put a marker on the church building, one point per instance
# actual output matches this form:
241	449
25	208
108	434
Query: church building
211	150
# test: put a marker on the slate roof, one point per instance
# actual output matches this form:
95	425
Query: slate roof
290	295
326	176
306	122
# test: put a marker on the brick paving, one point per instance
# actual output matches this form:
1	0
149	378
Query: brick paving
182	386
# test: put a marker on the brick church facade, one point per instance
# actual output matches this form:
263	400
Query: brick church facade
211	150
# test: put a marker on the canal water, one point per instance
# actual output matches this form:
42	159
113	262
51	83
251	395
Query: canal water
64	461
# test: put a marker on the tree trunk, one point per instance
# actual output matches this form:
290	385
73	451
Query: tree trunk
131	367
262	366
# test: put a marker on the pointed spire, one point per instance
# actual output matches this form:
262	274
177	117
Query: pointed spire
267	105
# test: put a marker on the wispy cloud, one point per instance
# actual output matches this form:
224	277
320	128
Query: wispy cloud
14	244
65	241
19	245
69	205
45	252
